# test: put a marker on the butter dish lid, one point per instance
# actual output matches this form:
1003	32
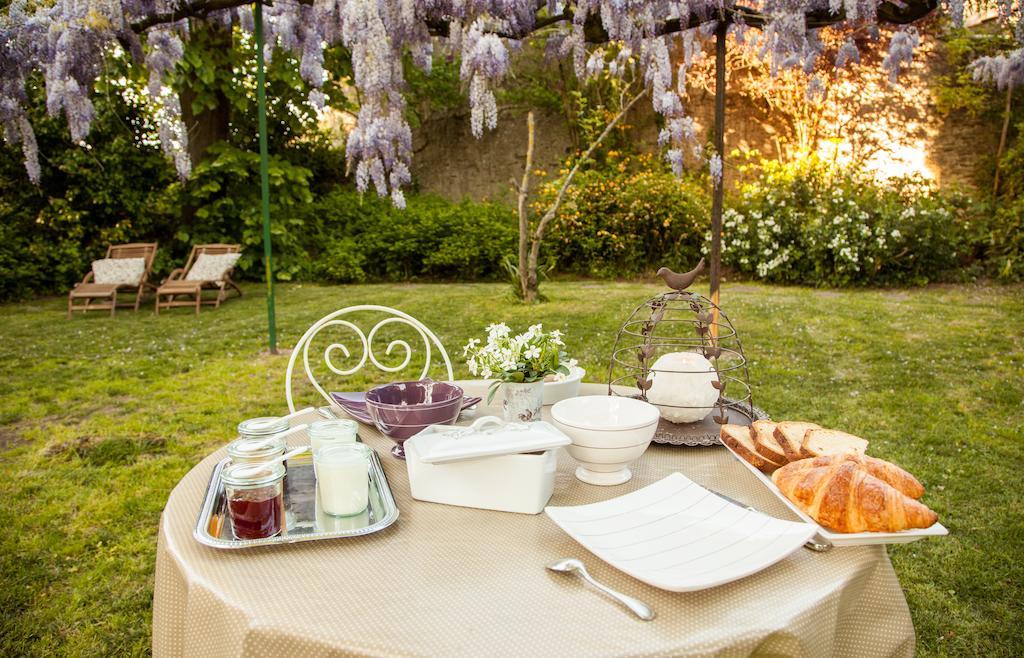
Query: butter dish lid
489	436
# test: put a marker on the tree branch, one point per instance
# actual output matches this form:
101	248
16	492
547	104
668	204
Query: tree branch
524	218
899	13
553	210
193	9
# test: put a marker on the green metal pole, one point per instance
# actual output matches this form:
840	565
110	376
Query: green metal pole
261	100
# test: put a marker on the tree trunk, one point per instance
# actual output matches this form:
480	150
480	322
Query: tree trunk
532	291
1002	139
210	124
524	218
529	282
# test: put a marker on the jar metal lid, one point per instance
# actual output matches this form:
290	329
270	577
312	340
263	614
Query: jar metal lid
266	425
246	448
252	474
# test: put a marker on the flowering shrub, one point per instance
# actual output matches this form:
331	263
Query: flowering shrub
627	218
528	357
809	223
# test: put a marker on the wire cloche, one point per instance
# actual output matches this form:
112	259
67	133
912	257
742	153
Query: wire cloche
680	352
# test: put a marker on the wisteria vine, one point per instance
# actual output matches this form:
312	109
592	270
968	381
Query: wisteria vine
66	42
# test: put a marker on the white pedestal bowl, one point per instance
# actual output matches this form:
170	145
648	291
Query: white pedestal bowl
608	433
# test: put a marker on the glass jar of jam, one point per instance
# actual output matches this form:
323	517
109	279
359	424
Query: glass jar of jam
255	495
249	450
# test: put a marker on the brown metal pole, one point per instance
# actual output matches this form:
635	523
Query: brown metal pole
718	192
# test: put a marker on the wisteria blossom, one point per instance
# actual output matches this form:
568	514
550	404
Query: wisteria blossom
1005	71
67	40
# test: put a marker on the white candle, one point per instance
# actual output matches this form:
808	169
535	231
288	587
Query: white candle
342	478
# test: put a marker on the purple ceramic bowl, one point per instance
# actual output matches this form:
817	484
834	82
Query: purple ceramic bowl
402	409
424	393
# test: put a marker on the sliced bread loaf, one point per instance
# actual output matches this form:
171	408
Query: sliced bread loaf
766	443
790	435
819	442
741	440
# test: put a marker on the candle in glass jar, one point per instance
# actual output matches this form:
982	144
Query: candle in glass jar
324	433
342	478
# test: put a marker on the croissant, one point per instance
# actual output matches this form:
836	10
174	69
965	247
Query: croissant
842	495
890	473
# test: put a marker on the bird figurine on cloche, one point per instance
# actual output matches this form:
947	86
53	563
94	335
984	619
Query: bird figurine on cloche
680	282
680	352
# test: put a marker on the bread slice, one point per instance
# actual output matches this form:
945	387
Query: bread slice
766	443
741	440
819	442
790	435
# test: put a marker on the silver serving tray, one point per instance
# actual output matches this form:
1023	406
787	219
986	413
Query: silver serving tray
303	519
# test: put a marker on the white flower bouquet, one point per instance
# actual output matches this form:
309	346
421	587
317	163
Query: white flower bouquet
529	357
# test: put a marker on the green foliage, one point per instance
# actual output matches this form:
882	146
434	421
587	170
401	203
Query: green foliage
120	187
1007	240
340	261
532	83
220	67
437	92
109	190
956	90
225	190
627	218
351	237
810	223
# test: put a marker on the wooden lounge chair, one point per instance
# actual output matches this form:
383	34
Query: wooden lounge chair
179	290
103	296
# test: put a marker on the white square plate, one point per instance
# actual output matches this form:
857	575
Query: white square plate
847	538
678	536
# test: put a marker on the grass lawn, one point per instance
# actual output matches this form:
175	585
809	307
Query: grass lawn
100	417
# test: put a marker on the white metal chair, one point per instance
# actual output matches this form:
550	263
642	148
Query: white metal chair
430	341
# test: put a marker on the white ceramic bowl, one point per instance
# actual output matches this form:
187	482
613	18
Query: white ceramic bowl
606	460
608	433
567	388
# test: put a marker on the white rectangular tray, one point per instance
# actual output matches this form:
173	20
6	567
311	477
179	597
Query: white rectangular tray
847	538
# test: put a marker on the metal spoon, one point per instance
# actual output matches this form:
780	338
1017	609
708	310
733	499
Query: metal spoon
572	565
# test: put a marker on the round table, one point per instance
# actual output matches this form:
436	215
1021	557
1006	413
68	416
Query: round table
453	581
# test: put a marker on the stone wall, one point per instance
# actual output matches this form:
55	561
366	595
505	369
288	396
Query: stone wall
896	130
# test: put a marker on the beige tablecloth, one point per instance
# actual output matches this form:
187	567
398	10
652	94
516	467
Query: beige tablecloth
451	581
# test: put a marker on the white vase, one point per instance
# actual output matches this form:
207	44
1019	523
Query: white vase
521	403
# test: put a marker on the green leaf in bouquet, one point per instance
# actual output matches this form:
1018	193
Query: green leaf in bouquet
492	389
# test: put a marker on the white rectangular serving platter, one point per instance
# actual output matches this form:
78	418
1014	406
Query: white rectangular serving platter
678	536
846	538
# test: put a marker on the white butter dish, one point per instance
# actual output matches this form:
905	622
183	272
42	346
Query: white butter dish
508	474
488	436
